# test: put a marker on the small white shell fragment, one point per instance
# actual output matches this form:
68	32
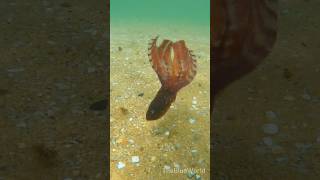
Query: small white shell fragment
135	159
270	128
167	133
120	165
176	165
194	102
166	167
194	151
198	177
131	141
192	120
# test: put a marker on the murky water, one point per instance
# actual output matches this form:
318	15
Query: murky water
273	131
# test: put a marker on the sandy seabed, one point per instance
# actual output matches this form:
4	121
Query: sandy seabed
175	146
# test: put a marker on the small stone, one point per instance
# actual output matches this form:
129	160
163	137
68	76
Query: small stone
194	102
271	115
131	141
282	159
122	130
166	167
135	159
194	152
302	146
121	165
268	141
177	146
167	133
318	139
190	174
192	120
113	141
165	155
270	128
176	165
67	178
198	177
306	96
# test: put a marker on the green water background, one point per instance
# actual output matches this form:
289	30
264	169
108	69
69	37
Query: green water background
165	12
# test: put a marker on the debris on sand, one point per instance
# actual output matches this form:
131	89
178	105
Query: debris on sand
121	165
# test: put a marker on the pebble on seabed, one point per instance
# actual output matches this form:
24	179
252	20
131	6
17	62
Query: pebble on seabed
198	177
167	133
131	141
166	167
306	96
135	159
121	165
190	174
194	152
192	120
271	115
194	102
270	128
176	165
268	141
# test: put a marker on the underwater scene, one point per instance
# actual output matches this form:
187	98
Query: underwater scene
159	89
266	123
